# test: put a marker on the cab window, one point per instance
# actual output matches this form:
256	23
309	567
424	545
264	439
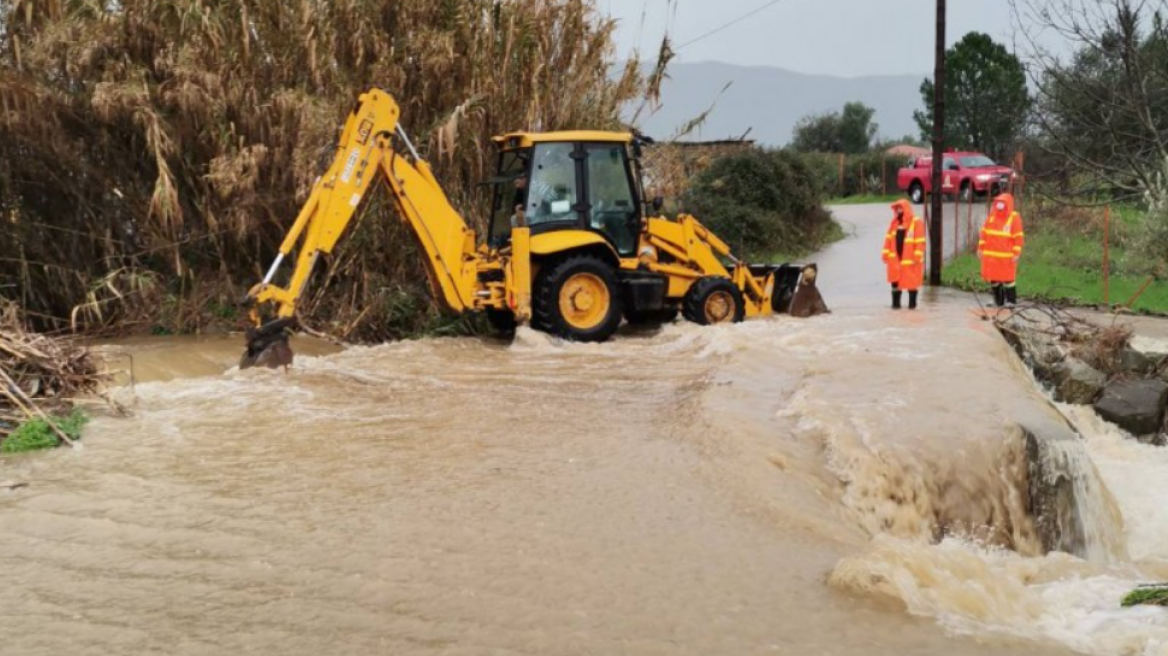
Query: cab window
509	193
612	209
551	192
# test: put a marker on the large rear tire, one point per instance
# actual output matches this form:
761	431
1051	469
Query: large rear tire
714	299
577	298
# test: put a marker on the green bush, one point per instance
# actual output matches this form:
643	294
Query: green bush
761	203
1152	595
37	434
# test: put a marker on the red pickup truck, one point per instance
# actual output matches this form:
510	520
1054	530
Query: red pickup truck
962	173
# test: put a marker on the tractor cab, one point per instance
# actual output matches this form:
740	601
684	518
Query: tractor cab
576	180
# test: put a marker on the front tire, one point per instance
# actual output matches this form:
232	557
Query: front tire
712	300
577	299
966	193
916	193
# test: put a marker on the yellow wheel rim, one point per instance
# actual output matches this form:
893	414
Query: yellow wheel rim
584	301
719	307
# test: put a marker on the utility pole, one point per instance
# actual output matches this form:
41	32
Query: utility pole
936	242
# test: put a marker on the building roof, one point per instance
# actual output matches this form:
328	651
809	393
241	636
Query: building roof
908	151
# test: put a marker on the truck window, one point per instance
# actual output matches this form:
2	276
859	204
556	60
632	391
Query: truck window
977	162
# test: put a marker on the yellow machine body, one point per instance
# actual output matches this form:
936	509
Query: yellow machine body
597	256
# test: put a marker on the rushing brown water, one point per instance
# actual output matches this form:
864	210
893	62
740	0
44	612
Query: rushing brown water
853	483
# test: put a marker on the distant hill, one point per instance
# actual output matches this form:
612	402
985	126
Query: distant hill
770	100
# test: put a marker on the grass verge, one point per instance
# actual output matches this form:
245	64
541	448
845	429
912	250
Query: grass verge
1063	262
37	434
865	199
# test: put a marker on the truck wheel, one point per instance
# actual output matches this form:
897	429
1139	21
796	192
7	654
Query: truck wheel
714	299
668	315
503	321
577	299
916	193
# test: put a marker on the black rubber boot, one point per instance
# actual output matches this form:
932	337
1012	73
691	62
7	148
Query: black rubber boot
1011	295
999	296
912	299
896	299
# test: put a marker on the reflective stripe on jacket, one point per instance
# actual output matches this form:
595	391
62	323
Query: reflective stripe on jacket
1000	241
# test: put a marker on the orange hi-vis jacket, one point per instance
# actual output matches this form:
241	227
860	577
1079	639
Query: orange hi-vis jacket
907	268
1000	242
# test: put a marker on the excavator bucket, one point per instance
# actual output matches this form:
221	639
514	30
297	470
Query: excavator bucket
267	345
801	297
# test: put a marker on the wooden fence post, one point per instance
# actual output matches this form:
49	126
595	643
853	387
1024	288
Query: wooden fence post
1106	254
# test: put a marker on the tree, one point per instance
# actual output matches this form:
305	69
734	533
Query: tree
848	132
1103	113
856	128
986	101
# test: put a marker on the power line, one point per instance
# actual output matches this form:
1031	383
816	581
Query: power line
733	22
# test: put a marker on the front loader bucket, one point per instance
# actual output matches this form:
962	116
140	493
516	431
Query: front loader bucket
796	291
267	345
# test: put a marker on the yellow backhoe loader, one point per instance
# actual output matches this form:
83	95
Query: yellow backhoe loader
572	247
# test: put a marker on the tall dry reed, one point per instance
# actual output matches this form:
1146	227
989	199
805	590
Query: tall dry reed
152	152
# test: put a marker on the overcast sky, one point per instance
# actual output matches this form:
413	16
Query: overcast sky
831	37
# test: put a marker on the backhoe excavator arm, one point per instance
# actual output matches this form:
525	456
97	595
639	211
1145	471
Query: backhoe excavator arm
365	154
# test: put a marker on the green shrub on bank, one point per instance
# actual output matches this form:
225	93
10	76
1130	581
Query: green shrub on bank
761	203
1150	596
38	434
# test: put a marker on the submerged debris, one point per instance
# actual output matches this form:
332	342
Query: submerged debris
40	376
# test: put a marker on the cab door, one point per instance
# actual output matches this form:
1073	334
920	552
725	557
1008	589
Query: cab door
611	206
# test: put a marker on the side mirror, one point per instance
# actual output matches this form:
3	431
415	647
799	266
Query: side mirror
657	203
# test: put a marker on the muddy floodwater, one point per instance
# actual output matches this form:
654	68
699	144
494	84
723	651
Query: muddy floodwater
851	483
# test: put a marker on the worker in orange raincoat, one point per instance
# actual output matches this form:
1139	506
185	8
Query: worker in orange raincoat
904	253
999	246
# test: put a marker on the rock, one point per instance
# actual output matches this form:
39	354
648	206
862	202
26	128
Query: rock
1136	406
1051	498
1154	349
1037	351
1135	362
1076	381
1155	439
